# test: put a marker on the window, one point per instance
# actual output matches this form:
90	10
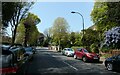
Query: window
69	49
79	49
86	51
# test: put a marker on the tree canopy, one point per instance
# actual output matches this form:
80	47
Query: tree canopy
59	30
27	31
13	13
106	15
8	10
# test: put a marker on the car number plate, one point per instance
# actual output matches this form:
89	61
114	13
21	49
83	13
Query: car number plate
95	58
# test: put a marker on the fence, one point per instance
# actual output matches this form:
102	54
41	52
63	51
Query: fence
115	52
110	53
57	48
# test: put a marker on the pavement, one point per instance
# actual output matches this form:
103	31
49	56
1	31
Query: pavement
102	59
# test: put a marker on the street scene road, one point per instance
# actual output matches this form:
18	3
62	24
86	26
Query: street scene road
47	61
48	37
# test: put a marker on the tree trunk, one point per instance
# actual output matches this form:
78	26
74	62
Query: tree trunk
25	39
14	35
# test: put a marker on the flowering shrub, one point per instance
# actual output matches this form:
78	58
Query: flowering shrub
112	38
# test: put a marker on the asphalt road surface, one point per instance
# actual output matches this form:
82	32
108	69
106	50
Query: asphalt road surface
48	62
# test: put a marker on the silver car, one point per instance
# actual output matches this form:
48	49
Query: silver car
29	53
68	52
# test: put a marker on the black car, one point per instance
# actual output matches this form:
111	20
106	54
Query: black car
12	58
113	63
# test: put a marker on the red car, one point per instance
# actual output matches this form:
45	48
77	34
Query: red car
85	55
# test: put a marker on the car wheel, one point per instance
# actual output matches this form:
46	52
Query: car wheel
84	59
75	56
109	66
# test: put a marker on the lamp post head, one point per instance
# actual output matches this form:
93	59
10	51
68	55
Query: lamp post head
73	12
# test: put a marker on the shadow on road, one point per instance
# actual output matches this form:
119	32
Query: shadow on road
70	74
95	62
118	71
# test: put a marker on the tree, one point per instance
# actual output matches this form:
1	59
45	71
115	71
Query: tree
103	15
78	39
8	10
48	38
20	34
47	32
72	38
15	14
41	39
29	23
94	48
28	30
90	37
34	36
59	30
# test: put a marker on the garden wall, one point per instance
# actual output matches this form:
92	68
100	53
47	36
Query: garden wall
115	52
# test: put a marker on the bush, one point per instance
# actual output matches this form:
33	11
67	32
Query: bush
106	55
112	38
94	48
86	47
104	49
75	47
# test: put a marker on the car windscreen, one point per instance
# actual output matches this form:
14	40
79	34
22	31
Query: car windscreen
5	51
69	49
28	49
79	49
86	51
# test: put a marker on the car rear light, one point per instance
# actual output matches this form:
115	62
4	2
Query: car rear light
8	70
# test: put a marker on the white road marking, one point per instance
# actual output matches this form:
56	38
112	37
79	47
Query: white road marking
70	66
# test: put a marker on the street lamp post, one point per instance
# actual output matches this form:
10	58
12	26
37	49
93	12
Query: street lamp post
83	23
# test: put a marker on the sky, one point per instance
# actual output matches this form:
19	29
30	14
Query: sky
49	11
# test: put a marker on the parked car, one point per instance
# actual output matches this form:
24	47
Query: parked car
12	58
68	52
34	50
29	52
113	63
85	55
